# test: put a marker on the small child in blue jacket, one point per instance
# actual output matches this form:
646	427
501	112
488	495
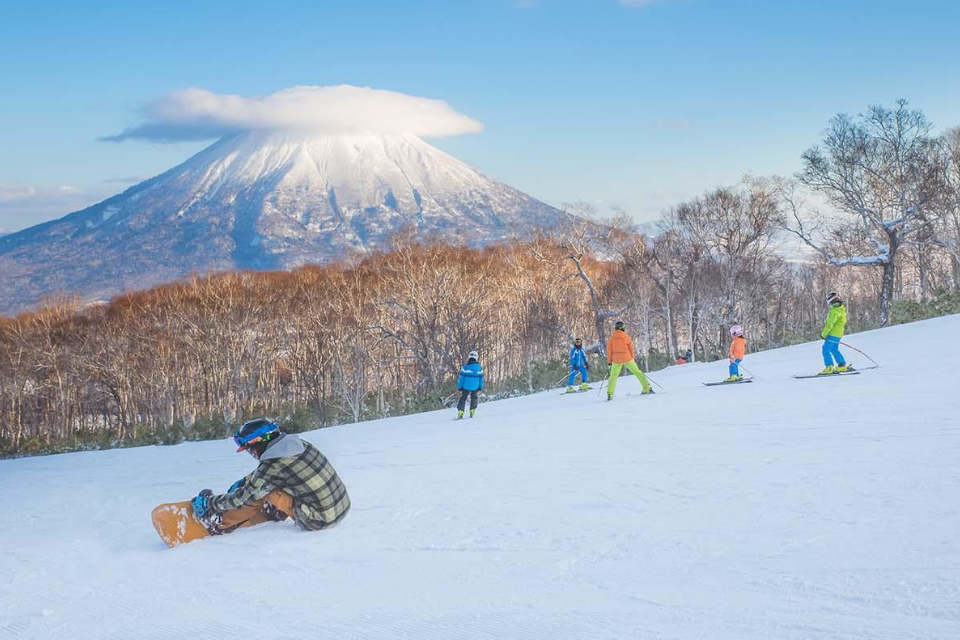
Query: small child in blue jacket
469	383
578	364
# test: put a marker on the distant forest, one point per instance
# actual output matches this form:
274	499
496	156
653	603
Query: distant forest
877	202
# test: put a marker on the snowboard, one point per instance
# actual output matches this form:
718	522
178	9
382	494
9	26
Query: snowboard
175	523
716	384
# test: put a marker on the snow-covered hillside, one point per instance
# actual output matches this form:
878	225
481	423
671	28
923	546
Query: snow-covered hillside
265	200
774	510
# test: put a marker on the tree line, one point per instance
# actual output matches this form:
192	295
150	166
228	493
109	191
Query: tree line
320	346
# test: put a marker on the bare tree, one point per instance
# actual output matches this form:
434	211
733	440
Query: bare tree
881	170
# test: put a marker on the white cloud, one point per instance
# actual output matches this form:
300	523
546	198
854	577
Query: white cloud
198	114
23	206
13	193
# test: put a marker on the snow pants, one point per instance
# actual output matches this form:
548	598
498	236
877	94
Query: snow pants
632	368
831	352
735	367
253	513
462	402
573	374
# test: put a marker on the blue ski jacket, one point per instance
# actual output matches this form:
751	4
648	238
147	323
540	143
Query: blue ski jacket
471	377
577	357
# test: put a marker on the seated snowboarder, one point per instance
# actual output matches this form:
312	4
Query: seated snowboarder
469	383
578	363
293	479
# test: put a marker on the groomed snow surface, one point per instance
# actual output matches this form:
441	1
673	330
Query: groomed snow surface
780	509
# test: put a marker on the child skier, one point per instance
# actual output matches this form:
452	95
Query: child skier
578	363
292	479
831	334
469	383
738	350
620	354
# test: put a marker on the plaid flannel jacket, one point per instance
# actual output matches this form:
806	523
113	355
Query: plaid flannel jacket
319	498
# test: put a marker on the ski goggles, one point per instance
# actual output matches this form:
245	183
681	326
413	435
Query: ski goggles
260	435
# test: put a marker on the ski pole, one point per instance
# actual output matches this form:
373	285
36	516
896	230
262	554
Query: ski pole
653	381
752	374
861	353
600	388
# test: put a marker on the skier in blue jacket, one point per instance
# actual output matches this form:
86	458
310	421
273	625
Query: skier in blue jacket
578	364
469	383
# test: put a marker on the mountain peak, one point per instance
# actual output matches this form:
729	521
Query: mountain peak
265	200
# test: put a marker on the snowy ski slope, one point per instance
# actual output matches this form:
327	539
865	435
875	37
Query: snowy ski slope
780	509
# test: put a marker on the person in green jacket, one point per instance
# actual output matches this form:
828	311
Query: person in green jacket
831	334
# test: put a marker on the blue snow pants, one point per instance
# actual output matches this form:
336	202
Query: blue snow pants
831	352
573	374
735	367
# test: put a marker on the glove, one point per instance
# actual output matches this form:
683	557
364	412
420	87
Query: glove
236	486
273	513
202	511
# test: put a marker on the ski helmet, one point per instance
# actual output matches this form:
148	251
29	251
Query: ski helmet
474	355
619	325
255	432
736	330
578	341
832	297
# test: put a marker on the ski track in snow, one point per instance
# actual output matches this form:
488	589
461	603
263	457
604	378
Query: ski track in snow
785	509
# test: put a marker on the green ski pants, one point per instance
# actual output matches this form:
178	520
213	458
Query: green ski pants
632	368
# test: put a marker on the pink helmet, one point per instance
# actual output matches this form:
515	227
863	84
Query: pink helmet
736	330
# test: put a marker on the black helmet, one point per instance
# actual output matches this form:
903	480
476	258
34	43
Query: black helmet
255	434
619	325
832	297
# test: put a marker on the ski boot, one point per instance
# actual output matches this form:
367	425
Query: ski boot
732	378
571	389
842	368
648	391
585	387
472	411
609	397
459	415
827	371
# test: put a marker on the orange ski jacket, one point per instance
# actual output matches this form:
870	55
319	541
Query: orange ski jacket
738	348
619	348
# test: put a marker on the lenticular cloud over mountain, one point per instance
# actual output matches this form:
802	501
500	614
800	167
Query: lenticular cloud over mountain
198	114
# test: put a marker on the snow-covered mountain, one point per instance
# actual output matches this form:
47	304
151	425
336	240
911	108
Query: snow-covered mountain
264	200
782	509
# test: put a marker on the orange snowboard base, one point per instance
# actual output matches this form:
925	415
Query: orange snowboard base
175	523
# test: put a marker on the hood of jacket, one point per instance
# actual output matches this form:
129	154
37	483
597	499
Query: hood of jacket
285	446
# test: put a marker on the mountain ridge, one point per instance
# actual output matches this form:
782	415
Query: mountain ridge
265	200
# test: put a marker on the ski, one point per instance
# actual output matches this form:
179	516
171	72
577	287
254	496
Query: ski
573	393
722	382
828	375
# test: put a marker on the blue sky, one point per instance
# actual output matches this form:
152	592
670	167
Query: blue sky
636	106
